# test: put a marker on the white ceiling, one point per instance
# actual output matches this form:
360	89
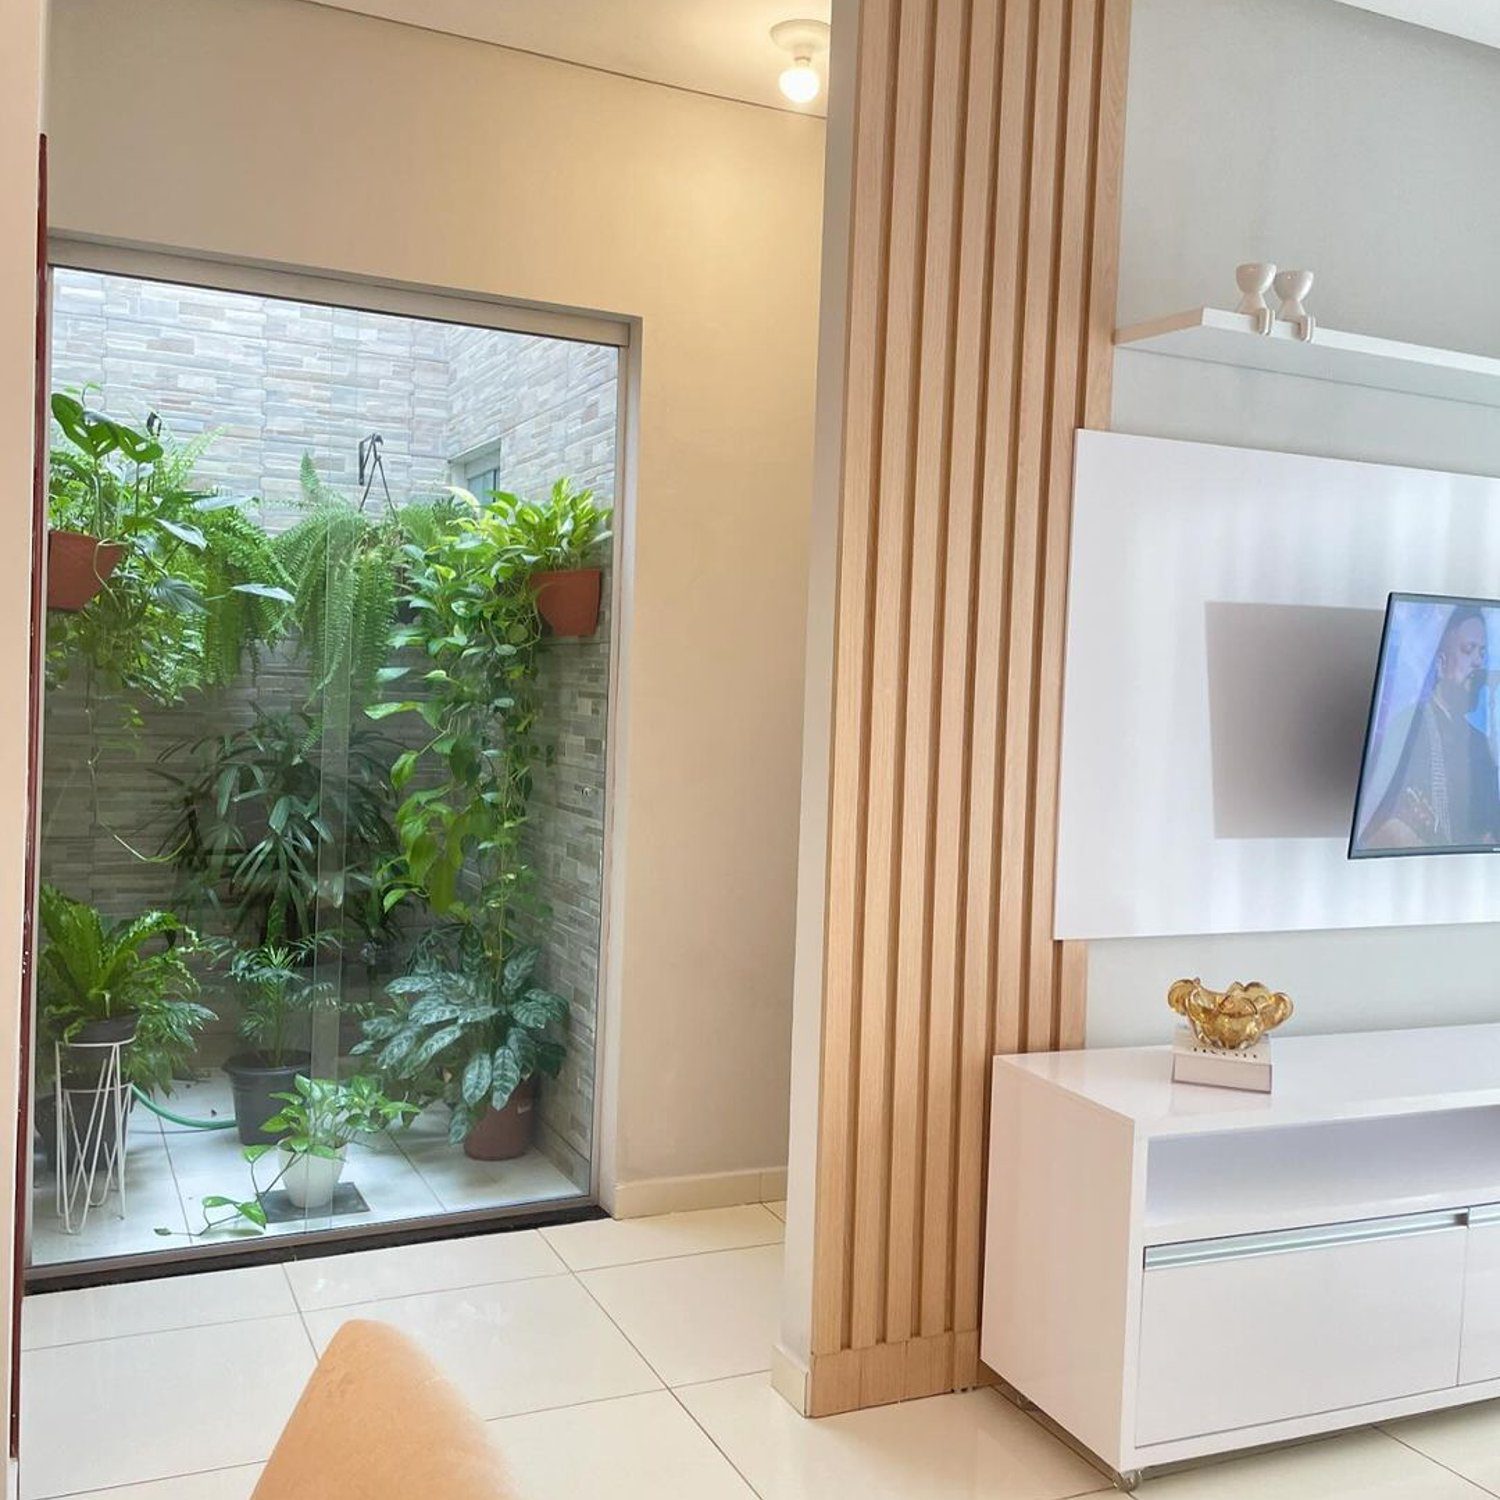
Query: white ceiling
712	46
1477	20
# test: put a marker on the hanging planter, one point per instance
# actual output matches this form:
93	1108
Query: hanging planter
78	566
568	601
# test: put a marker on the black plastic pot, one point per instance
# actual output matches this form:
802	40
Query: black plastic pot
254	1081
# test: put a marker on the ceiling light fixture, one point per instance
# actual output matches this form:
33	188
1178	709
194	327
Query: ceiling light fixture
803	40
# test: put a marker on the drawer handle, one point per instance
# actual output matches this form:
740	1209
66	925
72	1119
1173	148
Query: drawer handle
1318	1236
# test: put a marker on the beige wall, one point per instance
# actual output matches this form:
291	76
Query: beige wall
294	134
20	113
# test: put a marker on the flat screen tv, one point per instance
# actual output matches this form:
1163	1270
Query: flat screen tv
1428	783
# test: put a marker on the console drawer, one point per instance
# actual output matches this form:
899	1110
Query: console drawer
1236	1332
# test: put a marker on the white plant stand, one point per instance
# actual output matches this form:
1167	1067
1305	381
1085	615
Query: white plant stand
91	1127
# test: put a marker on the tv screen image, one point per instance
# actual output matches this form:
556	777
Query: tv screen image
1429	783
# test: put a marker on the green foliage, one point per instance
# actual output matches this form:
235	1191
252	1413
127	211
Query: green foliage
93	969
344	567
276	994
199	589
322	1116
465	1030
565	531
279	838
475	623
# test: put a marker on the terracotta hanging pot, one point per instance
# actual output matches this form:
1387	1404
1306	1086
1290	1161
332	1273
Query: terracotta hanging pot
568	601
77	567
500	1134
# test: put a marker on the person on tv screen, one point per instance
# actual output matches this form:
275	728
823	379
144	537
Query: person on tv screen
1445	789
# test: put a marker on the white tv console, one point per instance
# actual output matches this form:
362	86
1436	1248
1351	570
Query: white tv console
1173	1271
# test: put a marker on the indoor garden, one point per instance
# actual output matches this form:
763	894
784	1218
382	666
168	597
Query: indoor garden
323	774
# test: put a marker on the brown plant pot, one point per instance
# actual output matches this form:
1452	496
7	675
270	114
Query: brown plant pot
568	601
500	1134
77	567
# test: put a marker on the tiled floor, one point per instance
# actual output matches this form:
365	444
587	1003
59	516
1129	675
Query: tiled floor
171	1168
627	1360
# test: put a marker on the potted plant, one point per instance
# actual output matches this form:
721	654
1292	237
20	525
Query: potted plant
475	1037
560	540
278	999
313	1129
193	584
102	981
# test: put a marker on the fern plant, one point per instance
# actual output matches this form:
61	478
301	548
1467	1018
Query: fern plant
342	564
94	969
199	590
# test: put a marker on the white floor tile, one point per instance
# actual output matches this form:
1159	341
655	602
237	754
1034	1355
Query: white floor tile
1465	1439
970	1447
404	1270
126	1410
222	1484
703	1317
619	1242
779	1209
1364	1465
105	1312
636	1448
519	1346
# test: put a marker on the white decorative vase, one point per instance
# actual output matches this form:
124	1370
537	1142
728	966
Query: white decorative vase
1254	279
1292	287
310	1180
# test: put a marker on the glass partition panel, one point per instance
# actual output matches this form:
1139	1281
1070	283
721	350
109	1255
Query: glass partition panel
324	779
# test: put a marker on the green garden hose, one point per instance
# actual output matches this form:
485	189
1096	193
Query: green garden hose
167	1114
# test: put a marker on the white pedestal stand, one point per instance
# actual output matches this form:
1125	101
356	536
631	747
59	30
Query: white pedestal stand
91	1127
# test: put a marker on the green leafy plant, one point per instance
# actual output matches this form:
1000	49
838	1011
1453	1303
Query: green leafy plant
345	566
279	839
474	624
199	589
277	997
565	531
93	969
465	1032
321	1116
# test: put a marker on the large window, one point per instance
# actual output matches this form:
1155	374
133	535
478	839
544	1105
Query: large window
323	789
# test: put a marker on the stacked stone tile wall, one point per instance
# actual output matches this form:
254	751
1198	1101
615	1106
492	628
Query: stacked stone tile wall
272	380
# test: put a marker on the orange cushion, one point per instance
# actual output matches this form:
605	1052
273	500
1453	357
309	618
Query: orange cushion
379	1422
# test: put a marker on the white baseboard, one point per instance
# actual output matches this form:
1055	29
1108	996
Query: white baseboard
671	1195
12	1479
789	1379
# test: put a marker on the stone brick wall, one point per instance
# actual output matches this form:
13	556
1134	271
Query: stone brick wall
272	380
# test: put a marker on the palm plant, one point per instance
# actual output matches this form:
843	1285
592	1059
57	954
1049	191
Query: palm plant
277	997
278	838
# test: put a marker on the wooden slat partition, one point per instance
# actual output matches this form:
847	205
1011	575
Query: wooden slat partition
984	219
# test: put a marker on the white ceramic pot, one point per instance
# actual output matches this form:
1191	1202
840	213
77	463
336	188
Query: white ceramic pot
310	1180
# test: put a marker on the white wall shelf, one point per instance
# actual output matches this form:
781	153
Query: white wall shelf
1225	338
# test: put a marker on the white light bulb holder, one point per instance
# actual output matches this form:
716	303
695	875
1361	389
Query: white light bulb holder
804	41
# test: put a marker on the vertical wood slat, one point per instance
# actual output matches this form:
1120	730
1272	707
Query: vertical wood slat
985	195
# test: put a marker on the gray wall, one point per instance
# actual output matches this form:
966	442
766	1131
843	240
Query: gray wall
1315	135
272	380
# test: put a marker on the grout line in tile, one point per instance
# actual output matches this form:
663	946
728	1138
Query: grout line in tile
148	1333
717	1446
1412	1448
433	1291
610	1317
656	1260
130	1484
